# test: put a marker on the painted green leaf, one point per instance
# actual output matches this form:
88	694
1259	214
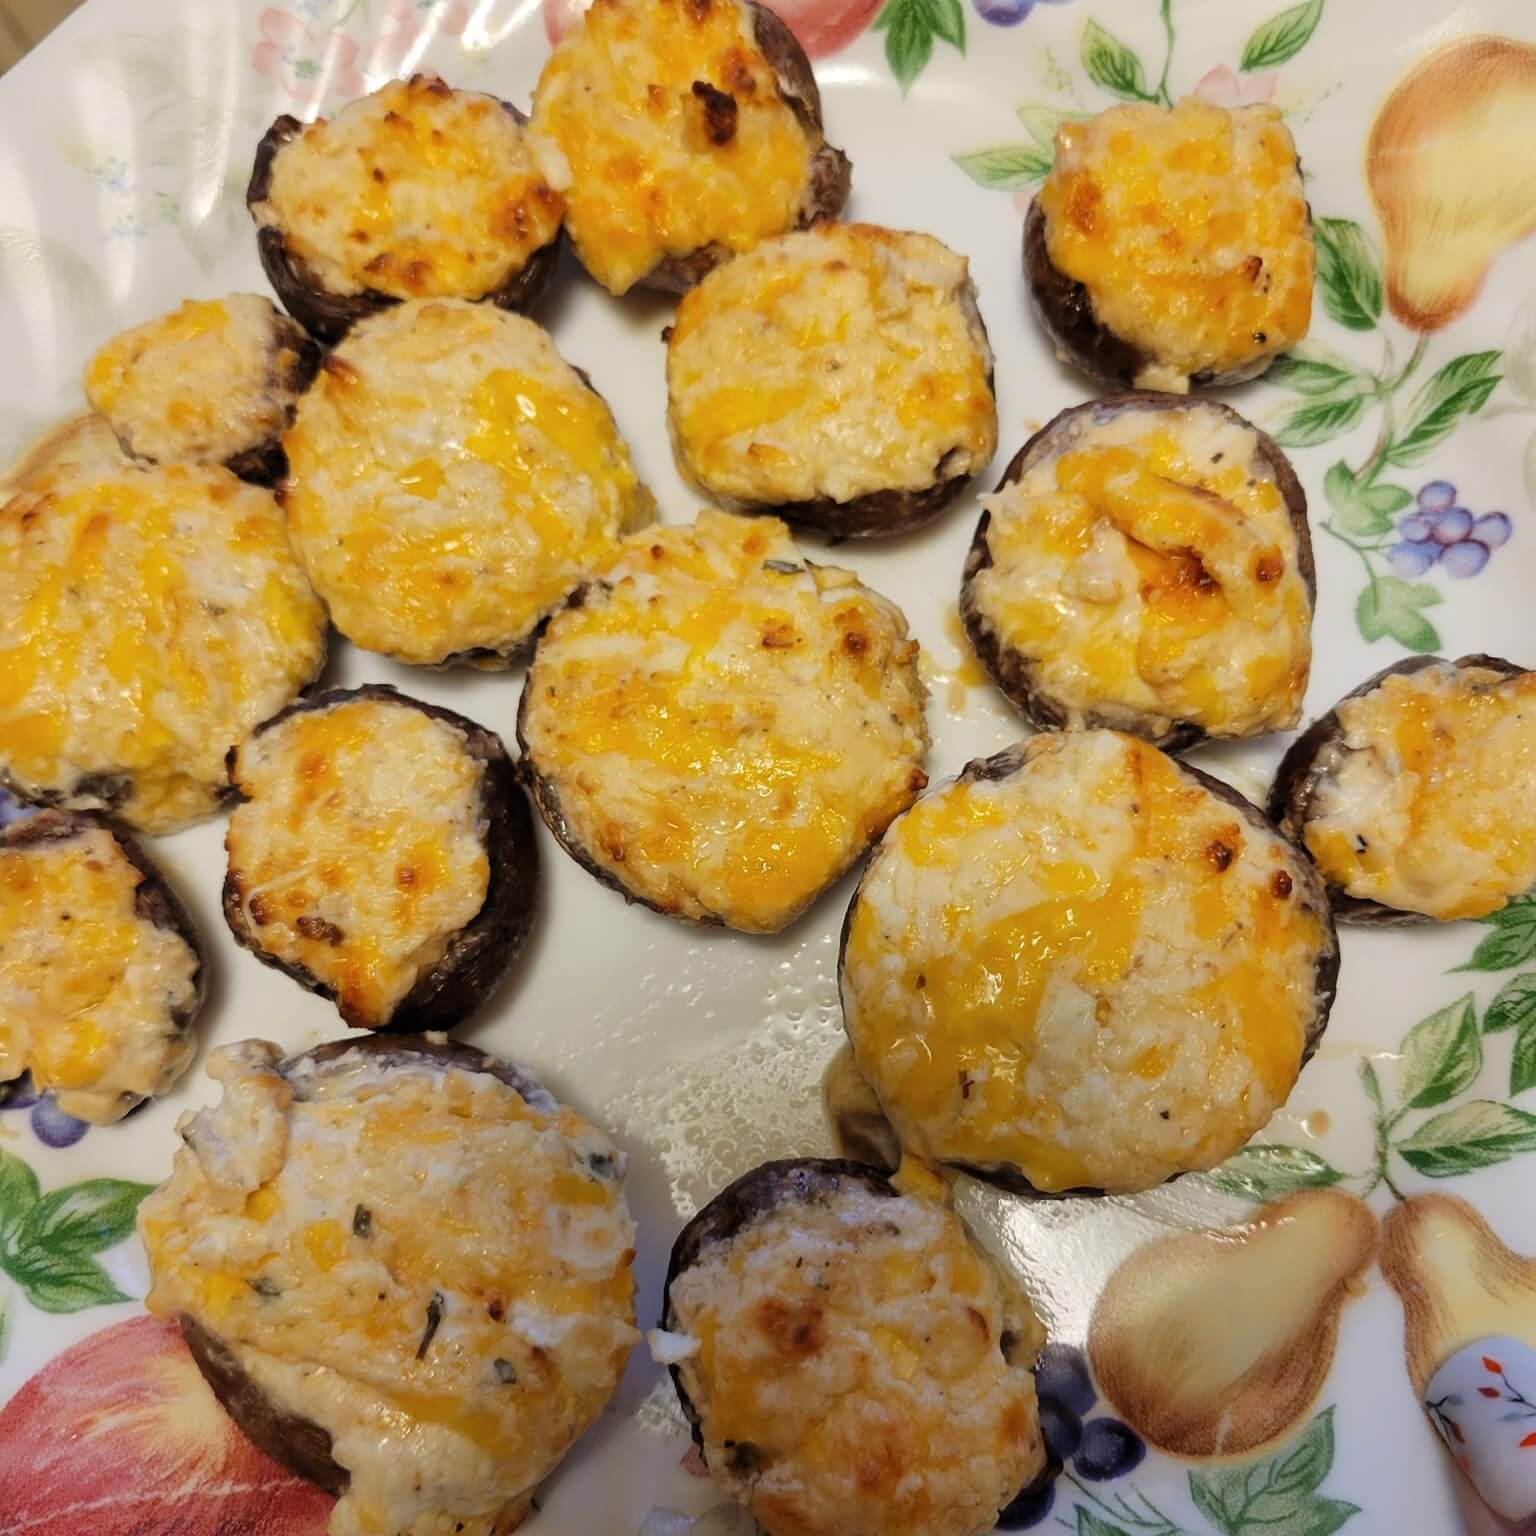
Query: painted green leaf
85	1217
910	27
1348	274
1475	1135
1390	606
1041	122
1461	388
1512	942
1363	510
1308	375
1279	1495
1514	1006
1522	1065
1110	64
1090	1524
1266	1172
61	1280
1319	420
1442	1056
1005	167
18	1195
1282	37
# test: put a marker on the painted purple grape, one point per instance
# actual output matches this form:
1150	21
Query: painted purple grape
1437	495
1417	527
1062	1429
1451	526
1110	1448
1003	13
1062	1374
53	1127
1413	557
18	1093
1465	559
1029	1507
1493	529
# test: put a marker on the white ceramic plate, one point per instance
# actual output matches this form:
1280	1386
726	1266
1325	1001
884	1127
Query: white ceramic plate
125	143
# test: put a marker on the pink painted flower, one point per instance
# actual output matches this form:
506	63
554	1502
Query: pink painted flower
1224	87
446	17
307	63
822	26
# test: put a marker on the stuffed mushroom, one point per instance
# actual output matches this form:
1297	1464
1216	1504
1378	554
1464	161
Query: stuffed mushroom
1146	564
1085	966
214	381
1172	247
102	974
870	404
157	616
404	1269
719	728
416	191
692	129
850	1363
452	479
1416	793
382	854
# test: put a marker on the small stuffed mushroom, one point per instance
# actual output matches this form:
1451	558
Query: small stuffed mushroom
692	129
417	191
1146	564
382	854
720	729
1416	793
102	974
1084	966
850	1363
452	479
213	382
870	404
159	614
1171	248
403	1268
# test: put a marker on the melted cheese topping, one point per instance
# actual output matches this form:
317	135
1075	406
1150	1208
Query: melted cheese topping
155	617
413	1257
1146	573
452	479
95	1000
416	191
1092	969
726	728
202	383
1189	229
1428	802
849	1372
834	362
360	851
662	163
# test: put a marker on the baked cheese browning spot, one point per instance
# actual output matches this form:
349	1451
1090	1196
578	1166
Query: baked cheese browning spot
1426	804
1086	965
485	1209
660	167
416	191
157	615
95	997
358	852
725	728
1189	228
452	479
204	383
833	362
849	1371
1151	571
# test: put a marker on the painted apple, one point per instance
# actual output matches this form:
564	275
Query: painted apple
822	26
120	1435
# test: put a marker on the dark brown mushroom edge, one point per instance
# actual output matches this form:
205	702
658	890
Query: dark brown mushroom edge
1171	248
1084	966
389	1222
1146	564
214	381
693	130
338	205
813	318
847	1359
718	728
1415	793
382	854
103	970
